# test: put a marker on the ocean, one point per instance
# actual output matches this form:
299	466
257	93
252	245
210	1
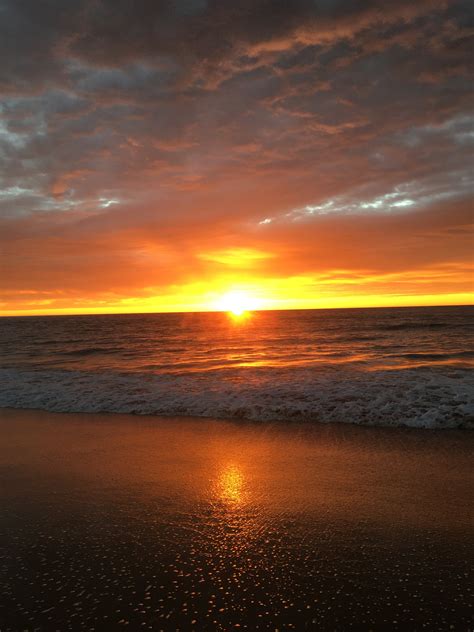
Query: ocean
387	366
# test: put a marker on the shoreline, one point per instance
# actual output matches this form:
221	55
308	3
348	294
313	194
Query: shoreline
465	427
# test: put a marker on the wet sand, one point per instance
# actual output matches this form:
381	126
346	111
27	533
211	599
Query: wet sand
116	521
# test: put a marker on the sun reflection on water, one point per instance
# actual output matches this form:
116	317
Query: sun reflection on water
239	316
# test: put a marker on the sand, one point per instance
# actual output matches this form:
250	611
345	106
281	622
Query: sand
116	521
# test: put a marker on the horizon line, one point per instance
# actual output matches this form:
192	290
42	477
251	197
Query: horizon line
223	311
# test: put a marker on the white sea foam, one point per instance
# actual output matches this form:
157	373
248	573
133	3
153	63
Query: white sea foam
416	397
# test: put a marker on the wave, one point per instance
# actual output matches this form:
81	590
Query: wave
93	350
416	397
357	338
47	342
421	325
435	356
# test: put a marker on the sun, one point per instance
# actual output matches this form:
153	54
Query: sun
236	303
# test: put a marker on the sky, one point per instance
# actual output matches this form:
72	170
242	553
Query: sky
156	155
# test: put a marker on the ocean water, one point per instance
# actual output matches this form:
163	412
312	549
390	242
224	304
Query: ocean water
403	366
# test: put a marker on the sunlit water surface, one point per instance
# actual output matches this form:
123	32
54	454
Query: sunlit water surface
406	366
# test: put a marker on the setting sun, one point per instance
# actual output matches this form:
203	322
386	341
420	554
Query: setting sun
237	303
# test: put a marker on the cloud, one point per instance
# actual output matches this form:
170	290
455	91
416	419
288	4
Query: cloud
145	145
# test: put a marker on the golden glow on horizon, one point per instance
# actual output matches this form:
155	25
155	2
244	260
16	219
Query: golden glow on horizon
152	305
243	293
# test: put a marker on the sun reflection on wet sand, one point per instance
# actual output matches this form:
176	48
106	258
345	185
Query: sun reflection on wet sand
237	519
235	514
199	525
231	485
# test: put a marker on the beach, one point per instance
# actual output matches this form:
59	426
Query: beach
168	523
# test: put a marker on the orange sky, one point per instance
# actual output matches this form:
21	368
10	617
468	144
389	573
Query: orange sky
315	156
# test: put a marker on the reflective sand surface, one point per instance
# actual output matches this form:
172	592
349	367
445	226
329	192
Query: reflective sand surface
116	521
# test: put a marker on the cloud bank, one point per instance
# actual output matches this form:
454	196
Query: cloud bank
144	145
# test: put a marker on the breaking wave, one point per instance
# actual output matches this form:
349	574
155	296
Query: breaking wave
416	397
